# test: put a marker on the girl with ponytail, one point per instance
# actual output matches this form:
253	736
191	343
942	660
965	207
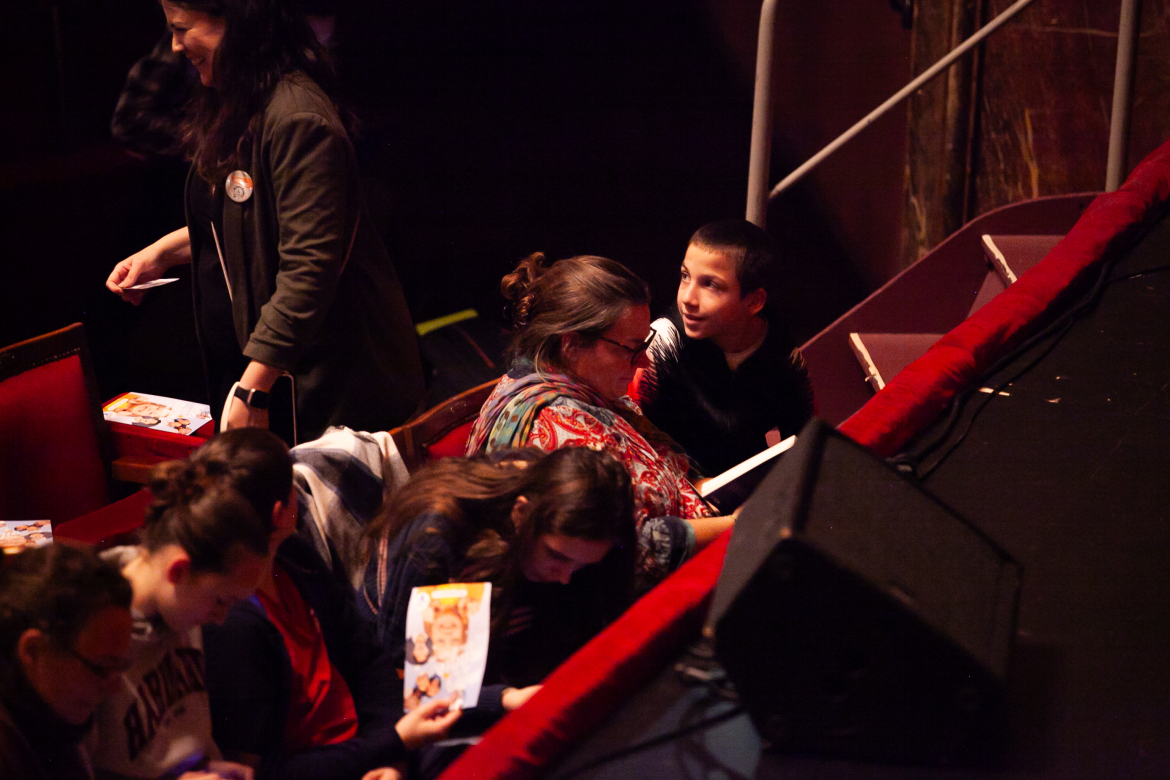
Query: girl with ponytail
203	548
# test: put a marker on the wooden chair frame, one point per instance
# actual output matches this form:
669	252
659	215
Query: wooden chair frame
415	438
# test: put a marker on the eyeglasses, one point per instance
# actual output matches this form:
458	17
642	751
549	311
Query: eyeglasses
634	351
104	672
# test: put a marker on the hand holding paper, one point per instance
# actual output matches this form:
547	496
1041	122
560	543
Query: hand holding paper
427	722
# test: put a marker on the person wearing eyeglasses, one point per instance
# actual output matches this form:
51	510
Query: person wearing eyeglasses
64	643
581	328
724	370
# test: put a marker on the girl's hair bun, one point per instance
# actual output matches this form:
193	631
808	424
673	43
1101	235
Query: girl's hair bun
172	483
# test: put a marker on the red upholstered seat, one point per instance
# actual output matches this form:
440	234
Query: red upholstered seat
110	525
453	444
53	441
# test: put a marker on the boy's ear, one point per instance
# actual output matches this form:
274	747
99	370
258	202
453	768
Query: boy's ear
178	568
755	301
284	513
29	646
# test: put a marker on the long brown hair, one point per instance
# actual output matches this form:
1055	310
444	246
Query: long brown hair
573	491
263	41
476	493
583	295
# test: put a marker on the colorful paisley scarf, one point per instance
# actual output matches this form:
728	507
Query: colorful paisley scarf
506	420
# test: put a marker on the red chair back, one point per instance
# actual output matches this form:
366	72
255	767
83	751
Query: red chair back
52	435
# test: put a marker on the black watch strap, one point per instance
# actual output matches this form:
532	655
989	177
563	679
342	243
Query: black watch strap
254	399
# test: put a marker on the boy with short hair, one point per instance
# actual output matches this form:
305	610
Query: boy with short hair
724	370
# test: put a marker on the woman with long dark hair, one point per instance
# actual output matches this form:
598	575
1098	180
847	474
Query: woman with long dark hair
290	276
553	533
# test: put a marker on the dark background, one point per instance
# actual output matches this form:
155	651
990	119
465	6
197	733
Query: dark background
495	128
490	130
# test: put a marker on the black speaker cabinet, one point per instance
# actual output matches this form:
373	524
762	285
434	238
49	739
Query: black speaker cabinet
859	617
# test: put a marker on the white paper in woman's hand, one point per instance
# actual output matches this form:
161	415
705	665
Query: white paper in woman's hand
155	283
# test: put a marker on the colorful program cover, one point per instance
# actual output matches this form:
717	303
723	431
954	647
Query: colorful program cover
15	535
157	412
446	643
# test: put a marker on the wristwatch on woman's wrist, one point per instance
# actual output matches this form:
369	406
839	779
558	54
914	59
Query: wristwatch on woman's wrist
253	399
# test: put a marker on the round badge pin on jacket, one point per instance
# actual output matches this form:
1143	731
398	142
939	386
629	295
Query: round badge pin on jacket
239	186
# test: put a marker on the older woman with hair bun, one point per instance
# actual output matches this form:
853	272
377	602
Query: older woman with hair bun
581	330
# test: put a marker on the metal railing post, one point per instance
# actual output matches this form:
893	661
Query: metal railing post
1127	44
761	151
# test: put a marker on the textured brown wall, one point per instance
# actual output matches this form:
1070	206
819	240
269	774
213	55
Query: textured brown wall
940	131
1026	115
1047	97
1041	91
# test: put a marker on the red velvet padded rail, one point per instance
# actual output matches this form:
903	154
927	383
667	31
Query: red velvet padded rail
589	686
582	692
50	463
915	397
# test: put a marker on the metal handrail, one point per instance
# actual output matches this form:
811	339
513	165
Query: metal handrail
761	152
1127	35
761	149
